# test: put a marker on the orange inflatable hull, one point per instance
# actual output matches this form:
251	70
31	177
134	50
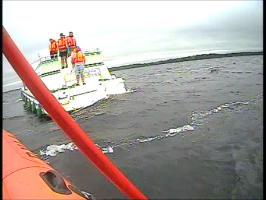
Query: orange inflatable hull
27	177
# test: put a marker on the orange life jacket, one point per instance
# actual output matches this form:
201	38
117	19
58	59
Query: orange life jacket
71	41
62	45
53	46
78	57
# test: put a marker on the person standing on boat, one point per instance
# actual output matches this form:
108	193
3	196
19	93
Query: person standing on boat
63	46
71	41
78	61
53	49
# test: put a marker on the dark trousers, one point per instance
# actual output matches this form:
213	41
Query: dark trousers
53	55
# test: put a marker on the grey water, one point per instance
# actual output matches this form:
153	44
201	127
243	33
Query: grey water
221	158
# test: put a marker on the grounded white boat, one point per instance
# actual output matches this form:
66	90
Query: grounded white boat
62	83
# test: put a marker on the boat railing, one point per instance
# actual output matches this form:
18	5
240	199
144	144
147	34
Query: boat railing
45	59
41	60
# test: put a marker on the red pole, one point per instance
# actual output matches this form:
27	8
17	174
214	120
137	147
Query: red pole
64	120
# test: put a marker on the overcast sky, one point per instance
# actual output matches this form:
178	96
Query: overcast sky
128	28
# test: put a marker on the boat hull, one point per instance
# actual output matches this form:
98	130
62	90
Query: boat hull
27	177
99	84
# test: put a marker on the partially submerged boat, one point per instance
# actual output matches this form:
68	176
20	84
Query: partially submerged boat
62	83
21	174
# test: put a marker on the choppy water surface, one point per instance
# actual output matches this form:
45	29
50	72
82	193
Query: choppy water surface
184	130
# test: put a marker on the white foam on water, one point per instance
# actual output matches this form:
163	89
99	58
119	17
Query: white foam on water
174	132
196	119
132	91
53	150
108	149
146	139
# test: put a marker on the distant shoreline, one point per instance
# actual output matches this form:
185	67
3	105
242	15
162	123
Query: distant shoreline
176	60
188	58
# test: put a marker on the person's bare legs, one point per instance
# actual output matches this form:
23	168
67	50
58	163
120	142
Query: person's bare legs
65	58
77	77
82	79
62	63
